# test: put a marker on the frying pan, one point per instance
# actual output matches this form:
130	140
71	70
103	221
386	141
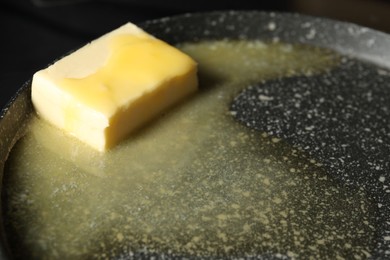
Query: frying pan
354	144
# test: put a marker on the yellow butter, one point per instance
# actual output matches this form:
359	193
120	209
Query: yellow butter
113	85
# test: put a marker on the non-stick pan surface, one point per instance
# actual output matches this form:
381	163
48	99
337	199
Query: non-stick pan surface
348	127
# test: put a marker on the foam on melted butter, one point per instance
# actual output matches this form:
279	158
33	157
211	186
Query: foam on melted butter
195	183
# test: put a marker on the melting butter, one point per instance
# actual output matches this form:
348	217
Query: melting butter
137	79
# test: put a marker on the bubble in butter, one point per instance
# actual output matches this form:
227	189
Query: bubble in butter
194	183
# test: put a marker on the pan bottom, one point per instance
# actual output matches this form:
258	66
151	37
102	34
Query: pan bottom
196	183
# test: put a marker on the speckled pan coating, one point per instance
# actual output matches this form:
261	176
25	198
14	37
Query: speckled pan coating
341	117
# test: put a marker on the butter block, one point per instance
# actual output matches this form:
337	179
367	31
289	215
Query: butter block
113	85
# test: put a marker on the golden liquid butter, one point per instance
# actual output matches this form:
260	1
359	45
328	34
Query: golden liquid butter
197	184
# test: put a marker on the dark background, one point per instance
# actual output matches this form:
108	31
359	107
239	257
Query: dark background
35	32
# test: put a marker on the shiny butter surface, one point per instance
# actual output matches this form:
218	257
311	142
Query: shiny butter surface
135	77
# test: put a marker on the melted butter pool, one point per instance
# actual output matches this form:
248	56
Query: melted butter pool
195	182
